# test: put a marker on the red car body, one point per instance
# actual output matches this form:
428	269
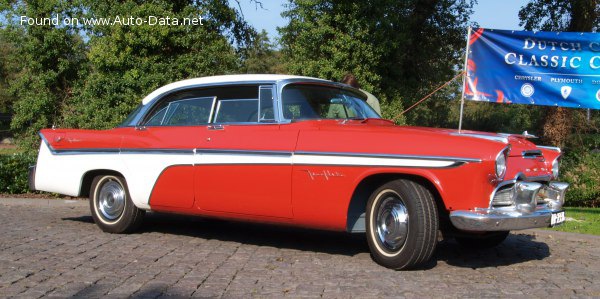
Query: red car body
316	172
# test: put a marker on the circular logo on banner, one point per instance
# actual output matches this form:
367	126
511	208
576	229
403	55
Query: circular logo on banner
598	95
527	90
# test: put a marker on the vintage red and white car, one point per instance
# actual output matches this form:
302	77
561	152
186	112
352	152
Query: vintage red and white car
305	152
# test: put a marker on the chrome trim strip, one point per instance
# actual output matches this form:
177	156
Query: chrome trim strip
215	84
390	156
85	151
552	148
99	151
455	164
244	152
157	151
457	160
481	136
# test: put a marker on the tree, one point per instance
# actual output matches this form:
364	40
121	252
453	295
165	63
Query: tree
48	59
128	62
86	75
8	70
395	48
555	15
262	57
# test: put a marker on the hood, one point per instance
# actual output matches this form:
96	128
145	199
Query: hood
383	137
519	143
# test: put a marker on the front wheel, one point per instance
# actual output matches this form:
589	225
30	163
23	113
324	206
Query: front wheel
111	206
402	224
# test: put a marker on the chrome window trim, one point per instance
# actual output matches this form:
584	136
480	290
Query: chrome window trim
212	110
244	124
278	86
260	92
144	110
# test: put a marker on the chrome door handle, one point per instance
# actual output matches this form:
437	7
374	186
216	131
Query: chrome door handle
216	127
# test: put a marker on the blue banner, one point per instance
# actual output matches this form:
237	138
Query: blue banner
537	68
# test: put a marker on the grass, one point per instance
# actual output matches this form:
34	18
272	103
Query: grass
8	150
581	220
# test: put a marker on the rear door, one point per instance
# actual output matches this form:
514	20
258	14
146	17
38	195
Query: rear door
159	153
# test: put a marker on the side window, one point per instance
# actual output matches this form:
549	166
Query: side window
237	111
205	105
185	112
265	97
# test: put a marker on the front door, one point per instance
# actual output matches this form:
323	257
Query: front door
243	166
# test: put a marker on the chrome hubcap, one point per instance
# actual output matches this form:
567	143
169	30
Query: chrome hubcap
392	222
111	200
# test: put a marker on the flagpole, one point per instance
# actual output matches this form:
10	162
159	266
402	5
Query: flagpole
462	98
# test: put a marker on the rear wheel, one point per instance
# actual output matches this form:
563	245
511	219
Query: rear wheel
402	224
111	206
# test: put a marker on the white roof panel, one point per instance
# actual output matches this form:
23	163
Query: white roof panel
218	79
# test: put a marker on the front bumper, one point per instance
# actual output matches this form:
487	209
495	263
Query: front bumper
521	205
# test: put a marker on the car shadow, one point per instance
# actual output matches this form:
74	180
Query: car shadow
250	233
516	249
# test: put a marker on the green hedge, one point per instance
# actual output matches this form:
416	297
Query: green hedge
582	172
13	172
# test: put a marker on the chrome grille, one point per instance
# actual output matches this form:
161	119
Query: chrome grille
503	197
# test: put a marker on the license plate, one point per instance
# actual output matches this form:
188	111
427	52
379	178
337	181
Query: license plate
557	218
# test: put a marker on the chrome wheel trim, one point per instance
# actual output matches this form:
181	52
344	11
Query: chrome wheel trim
111	199
391	222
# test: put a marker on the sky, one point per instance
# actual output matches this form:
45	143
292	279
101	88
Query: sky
494	14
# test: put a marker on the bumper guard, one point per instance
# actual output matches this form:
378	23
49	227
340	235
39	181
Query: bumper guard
530	205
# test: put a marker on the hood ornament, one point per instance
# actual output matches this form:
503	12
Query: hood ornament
527	135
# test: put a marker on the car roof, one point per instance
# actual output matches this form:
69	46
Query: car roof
221	79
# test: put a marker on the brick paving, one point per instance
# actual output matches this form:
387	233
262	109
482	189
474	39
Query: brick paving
52	248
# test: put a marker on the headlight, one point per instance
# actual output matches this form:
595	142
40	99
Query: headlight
501	163
555	168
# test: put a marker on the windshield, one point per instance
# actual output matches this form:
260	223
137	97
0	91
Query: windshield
129	121
302	101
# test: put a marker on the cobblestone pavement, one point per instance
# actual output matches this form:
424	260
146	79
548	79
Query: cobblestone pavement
52	248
